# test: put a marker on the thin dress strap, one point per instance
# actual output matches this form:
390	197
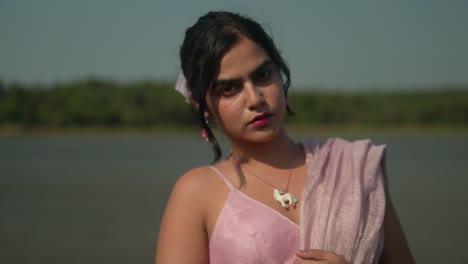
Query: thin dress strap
221	175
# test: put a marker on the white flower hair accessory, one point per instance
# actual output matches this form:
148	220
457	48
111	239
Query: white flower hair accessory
181	86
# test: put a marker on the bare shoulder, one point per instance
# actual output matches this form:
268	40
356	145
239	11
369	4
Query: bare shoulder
195	189
195	182
182	234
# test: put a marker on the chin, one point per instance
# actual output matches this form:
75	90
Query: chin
264	135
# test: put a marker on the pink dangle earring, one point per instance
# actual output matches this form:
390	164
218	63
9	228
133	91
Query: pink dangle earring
205	134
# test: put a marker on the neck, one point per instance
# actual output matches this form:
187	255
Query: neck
278	152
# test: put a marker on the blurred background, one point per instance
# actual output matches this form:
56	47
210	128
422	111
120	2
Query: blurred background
93	136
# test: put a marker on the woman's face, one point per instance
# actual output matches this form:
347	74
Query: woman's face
247	99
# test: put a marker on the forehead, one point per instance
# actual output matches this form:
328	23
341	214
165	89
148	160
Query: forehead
242	59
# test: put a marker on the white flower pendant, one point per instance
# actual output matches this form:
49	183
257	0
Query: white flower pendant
284	198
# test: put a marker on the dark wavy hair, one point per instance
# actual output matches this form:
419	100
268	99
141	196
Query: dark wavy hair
205	44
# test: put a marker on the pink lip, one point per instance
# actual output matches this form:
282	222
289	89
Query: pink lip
261	120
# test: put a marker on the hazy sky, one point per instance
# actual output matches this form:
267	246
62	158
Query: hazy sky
329	44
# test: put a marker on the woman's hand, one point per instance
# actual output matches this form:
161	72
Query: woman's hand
319	256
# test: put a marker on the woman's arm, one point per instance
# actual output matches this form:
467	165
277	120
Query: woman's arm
182	236
396	249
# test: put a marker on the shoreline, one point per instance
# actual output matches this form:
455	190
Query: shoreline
294	130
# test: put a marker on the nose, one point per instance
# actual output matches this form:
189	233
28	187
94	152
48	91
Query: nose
255	98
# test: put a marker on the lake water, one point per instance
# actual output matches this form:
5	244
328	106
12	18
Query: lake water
99	199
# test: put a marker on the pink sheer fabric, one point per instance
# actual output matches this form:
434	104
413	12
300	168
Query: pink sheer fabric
248	231
342	210
344	200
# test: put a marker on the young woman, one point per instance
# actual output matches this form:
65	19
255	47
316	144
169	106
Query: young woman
272	200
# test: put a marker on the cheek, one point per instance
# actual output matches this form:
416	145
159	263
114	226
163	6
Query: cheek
230	117
230	110
277	95
224	113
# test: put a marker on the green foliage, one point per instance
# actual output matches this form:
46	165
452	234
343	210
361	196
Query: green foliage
148	104
435	107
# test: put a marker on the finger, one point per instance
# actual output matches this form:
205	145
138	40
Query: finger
308	261
314	254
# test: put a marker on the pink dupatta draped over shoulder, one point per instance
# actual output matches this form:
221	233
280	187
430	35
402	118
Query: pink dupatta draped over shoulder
344	199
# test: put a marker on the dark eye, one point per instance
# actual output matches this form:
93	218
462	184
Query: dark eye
263	76
227	90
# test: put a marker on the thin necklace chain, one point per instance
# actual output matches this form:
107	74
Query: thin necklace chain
285	190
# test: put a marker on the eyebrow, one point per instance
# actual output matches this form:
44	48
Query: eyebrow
266	63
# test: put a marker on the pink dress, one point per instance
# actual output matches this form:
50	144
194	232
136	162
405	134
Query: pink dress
342	209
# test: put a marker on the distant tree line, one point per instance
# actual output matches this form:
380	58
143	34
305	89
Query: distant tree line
99	103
